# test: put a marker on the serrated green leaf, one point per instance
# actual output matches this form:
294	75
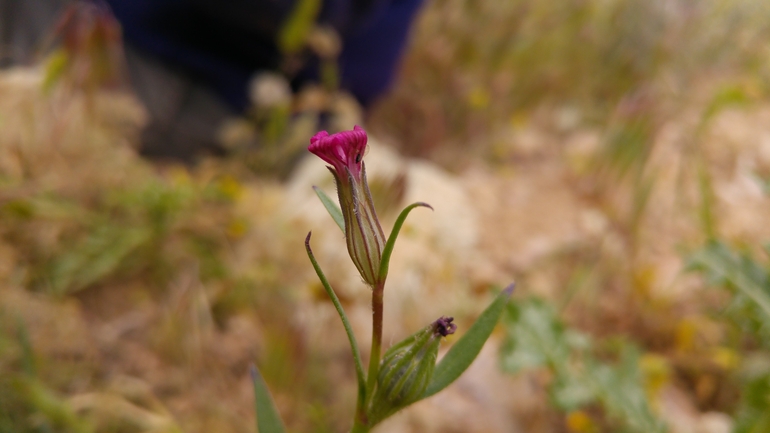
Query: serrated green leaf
331	207
268	420
462	354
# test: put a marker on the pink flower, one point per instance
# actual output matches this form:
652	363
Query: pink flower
363	234
342	150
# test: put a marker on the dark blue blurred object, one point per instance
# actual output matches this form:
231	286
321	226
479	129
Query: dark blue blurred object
221	44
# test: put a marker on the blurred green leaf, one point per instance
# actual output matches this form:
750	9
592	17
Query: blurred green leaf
748	279
537	338
28	354
628	145
54	411
464	351
268	420
55	68
331	207
749	283
100	254
752	415
619	387
295	30
727	96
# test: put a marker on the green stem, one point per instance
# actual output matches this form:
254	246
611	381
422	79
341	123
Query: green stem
374	354
359	427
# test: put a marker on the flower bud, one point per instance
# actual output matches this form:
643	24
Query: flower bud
406	369
363	233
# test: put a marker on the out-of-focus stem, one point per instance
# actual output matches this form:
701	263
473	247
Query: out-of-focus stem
359	427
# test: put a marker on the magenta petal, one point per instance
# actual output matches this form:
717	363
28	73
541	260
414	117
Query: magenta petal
343	149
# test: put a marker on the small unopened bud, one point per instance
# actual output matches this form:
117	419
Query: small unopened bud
406	369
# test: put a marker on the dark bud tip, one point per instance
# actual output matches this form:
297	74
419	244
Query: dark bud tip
508	290
423	204
307	239
444	326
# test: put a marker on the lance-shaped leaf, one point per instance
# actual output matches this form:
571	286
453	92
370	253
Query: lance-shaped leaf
345	322
331	207
268	420
462	353
388	250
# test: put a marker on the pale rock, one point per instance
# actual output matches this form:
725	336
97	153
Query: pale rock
268	89
715	422
581	148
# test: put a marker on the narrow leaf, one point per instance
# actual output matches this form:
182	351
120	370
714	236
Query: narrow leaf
27	353
388	250
462	354
293	33
345	321
331	207
268	420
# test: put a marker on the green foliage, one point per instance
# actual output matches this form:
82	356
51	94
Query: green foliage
27	404
343	317
268	420
55	68
331	207
726	96
405	370
515	55
295	30
121	233
537	338
747	280
477	65
407	373
627	145
748	283
752	415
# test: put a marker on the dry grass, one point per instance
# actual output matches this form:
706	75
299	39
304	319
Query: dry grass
594	146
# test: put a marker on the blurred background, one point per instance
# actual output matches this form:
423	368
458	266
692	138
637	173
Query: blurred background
610	156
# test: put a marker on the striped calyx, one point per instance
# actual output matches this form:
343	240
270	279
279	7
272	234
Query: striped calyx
365	240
